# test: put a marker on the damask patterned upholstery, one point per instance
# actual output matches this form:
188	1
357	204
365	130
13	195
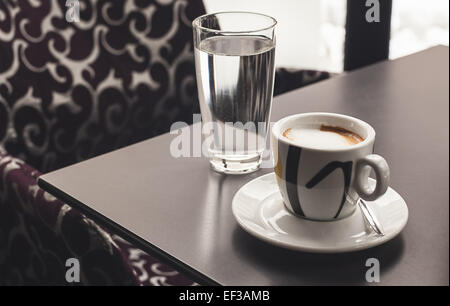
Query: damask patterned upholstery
73	90
69	91
38	233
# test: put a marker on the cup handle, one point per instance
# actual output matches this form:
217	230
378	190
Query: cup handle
381	169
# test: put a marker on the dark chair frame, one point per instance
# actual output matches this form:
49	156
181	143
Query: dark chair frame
366	42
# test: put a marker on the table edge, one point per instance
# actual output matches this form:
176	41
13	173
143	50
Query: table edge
116	228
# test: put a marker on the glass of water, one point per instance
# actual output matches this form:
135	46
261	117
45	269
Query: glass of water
234	61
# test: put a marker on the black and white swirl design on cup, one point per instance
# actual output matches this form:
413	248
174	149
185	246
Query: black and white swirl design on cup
293	171
299	183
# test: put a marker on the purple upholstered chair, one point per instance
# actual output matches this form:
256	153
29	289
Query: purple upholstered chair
73	90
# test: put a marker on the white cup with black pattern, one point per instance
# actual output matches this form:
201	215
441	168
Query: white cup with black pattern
325	184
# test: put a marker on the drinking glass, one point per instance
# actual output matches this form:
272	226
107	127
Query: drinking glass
234	61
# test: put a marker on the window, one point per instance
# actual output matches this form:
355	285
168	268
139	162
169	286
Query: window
311	33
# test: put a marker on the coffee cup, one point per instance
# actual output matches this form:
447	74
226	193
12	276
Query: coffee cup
322	163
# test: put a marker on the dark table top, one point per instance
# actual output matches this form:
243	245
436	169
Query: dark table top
182	211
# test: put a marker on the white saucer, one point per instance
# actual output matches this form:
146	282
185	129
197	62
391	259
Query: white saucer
259	209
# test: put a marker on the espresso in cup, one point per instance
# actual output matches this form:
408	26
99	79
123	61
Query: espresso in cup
323	136
322	162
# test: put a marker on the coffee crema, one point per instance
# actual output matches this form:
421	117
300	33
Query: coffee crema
324	137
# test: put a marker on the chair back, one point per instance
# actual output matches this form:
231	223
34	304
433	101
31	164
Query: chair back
95	75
